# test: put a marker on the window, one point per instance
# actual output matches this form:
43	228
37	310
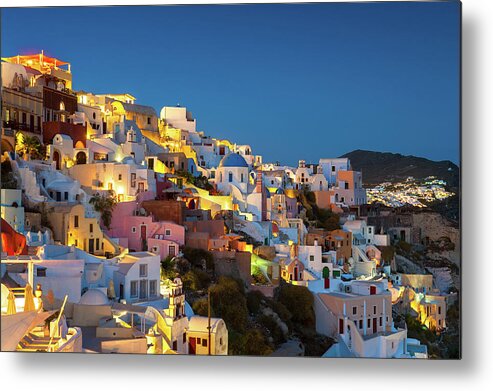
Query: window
150	164
374	310
184	337
198	341
119	177
221	341
167	232
230	177
75	243
133	288
355	310
361	323
134	230
154	249
175	345
333	168
97	244
65	196
143	270
76	221
242	180
204	342
133	179
91	228
312	258
153	287
380	321
148	120
439	310
368	323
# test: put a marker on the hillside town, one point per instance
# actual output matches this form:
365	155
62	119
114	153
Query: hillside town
131	230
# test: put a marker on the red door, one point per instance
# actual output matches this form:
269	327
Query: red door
143	232
341	326
191	345
56	158
374	325
373	290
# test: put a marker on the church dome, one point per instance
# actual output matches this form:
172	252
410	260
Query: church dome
94	297
233	160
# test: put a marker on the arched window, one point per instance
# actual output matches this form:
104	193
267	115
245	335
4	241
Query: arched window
230	177
62	106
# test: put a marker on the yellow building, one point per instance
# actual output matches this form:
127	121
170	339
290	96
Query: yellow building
71	226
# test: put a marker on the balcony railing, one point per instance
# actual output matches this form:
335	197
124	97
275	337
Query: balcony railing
15	125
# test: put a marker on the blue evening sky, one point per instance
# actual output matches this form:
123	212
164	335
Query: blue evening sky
294	81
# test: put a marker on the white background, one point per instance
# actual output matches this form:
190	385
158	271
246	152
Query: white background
474	371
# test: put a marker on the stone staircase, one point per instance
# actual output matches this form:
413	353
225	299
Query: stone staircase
35	341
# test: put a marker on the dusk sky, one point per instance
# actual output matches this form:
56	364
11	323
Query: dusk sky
293	81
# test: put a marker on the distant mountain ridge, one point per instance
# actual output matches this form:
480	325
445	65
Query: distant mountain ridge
378	167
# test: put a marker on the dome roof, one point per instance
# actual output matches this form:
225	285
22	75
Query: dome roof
94	297
233	160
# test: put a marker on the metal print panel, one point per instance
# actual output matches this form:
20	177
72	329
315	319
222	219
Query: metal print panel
266	180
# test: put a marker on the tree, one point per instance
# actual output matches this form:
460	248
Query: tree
104	204
228	302
30	146
299	300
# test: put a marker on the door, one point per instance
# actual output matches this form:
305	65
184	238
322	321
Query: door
122	292
374	325
192	343
296	274
143	232
56	159
143	289
91	246
373	290
341	326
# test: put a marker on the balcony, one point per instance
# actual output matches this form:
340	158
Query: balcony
11	126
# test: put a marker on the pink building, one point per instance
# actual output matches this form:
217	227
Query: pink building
138	230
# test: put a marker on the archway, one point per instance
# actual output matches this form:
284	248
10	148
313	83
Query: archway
56	159
6	146
81	158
